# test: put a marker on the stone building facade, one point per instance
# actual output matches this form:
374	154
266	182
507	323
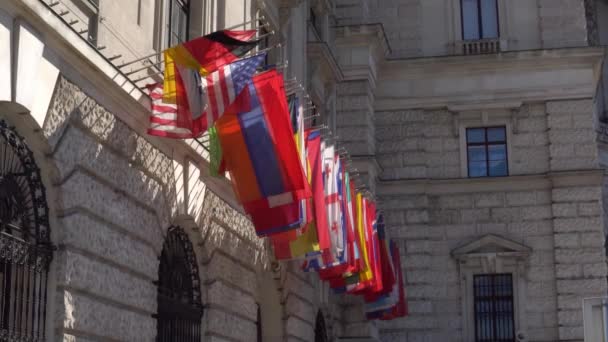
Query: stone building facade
401	86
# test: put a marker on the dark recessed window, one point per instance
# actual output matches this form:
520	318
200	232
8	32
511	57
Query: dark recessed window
179	12
487	152
479	19
493	301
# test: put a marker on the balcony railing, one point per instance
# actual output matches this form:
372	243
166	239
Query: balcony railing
479	47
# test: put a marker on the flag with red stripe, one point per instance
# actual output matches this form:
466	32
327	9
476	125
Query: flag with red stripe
207	99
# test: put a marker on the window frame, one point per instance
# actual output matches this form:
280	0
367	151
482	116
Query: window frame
480	21
486	144
184	4
494	298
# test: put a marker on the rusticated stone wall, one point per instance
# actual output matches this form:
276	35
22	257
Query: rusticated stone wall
117	195
552	203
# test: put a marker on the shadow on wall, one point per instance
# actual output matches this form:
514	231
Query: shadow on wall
119	194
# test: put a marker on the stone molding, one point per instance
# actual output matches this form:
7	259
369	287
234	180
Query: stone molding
510	183
492	254
502	247
508	78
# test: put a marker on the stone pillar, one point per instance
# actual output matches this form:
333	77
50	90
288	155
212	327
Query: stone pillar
563	23
360	48
580	267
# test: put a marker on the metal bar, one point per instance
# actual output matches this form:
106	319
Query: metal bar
261	18
139	59
148	76
312	116
143	68
271	33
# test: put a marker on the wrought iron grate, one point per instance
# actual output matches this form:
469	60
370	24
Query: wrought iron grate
25	248
179	298
493	297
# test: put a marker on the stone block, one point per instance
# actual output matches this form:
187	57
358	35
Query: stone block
565	209
567	240
520	198
532	213
299	307
581	286
231	299
475	215
532	124
579	256
531	228
568	271
96	237
420	307
595	270
571	333
569	302
218	320
560	121
541	273
506	214
577	194
87	315
589	209
228	270
491	228
570	317
579	224
416	216
294	283
455	201
83	191
81	273
570	106
487	200
593	239
561	150
588	150
573	163
539	243
571	136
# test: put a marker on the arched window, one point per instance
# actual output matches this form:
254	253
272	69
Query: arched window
179	296
320	330
25	247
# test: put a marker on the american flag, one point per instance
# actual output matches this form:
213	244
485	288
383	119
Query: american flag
208	97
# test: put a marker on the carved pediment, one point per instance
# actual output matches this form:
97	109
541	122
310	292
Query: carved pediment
491	245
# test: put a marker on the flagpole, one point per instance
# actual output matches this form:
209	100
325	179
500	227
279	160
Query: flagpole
139	59
261	18
143	68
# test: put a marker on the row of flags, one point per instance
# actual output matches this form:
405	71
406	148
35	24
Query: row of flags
290	181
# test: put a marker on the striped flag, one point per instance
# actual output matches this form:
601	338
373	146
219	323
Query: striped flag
163	120
207	96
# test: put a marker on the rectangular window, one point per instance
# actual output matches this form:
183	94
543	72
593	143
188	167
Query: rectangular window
178	22
493	301
487	152
479	19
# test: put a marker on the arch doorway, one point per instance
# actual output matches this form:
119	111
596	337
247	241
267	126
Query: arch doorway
25	247
179	296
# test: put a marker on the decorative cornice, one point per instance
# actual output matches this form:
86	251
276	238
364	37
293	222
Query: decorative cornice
484	80
496	245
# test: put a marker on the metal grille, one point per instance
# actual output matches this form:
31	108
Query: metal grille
320	330
494	320
179	297
25	248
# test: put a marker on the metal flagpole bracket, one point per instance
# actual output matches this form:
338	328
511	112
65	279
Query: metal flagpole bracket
140	59
143	68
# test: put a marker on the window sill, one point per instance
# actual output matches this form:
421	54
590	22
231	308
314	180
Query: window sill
480	47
